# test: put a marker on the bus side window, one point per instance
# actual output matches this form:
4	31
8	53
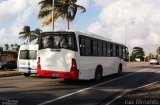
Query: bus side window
95	48
81	45
111	49
108	50
99	48
104	49
120	52
114	50
87	47
117	50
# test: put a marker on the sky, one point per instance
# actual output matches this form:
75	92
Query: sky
130	22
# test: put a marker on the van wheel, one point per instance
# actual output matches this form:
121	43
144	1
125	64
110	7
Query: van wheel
98	75
26	74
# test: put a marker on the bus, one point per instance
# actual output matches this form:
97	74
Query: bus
27	59
77	55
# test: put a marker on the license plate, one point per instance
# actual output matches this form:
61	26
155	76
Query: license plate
55	75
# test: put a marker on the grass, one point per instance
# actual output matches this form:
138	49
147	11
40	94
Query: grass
9	73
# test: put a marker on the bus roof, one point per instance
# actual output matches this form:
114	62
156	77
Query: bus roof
87	34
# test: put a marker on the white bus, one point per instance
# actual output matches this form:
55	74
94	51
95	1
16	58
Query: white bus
27	59
77	55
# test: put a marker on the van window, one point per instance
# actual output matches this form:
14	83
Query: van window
28	54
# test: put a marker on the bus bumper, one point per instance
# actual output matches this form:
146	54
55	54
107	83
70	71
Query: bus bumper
58	74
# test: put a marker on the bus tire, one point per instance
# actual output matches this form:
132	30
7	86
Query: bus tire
120	69
98	74
26	74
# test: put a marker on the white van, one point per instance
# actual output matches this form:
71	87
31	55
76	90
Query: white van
27	59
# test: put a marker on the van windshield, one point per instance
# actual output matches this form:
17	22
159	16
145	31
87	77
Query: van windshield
28	54
58	40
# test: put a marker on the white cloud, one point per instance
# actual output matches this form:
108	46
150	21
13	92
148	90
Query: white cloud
10	9
18	14
141	17
84	3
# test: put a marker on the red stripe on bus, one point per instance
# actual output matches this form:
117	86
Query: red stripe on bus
58	74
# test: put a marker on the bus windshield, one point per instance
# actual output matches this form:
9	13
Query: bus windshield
58	40
28	54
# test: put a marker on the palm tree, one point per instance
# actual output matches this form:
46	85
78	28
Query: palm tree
138	53
26	34
69	10
46	11
37	33
6	47
66	9
12	47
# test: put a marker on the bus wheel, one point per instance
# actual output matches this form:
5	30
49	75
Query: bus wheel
26	74
98	74
120	69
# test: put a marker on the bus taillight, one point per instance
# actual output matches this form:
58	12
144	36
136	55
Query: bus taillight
73	65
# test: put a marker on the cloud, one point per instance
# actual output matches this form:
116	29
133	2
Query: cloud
10	9
84	3
136	20
17	14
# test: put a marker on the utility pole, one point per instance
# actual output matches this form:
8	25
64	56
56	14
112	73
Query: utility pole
53	15
127	26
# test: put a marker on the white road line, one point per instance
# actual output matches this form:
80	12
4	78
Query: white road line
110	102
67	95
130	91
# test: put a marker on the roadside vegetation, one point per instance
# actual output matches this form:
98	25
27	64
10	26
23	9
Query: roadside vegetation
9	73
29	35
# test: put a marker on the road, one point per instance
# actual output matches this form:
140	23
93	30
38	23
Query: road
19	90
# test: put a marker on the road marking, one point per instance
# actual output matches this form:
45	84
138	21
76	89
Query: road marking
70	94
130	91
110	102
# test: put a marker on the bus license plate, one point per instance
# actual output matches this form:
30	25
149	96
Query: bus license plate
55	75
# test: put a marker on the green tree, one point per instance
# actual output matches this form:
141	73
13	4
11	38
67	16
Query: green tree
6	47
1	49
66	9
27	34
37	33
158	52
138	53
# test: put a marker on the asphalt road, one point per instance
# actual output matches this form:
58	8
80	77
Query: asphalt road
34	90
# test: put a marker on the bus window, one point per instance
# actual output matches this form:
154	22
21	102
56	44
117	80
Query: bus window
82	46
120	51
87	47
59	41
104	49
100	48
111	49
108	49
117	50
95	48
